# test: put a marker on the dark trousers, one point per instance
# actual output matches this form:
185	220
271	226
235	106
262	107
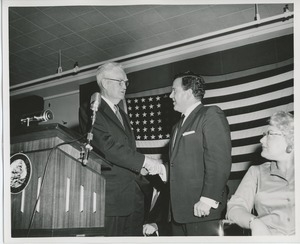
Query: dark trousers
130	225
206	228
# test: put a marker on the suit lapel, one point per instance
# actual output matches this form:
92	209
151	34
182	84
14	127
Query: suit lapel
127	125
111	115
191	117
183	128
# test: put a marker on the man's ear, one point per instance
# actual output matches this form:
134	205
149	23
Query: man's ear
104	84
189	93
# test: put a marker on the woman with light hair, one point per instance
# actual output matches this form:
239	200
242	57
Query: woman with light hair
268	189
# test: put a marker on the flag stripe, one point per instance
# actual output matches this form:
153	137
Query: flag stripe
237	175
249	93
153	150
248	124
243	118
244	149
259	106
253	100
246	141
246	79
150	143
257	131
240	166
245	157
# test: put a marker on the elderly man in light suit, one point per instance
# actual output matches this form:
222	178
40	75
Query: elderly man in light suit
200	160
114	139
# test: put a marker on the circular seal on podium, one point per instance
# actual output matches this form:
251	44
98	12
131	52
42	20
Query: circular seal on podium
20	172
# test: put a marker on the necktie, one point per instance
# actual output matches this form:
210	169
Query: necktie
177	129
117	112
154	198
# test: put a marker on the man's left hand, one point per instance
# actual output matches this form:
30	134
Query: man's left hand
201	209
149	229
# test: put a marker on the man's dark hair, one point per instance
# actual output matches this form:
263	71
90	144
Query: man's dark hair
192	81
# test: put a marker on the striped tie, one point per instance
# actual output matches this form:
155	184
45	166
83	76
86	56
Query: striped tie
117	112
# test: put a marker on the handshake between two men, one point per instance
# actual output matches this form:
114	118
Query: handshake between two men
154	166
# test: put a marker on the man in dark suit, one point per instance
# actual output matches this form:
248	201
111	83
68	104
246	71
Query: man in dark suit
113	138
200	160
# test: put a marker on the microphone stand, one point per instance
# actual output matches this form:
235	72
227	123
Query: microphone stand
95	101
88	147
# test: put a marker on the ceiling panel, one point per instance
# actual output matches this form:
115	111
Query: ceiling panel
58	13
92	34
108	29
93	18
114	13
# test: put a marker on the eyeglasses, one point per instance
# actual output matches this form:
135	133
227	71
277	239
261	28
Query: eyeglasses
125	82
271	133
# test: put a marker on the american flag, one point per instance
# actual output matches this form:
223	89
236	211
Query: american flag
147	117
247	97
152	118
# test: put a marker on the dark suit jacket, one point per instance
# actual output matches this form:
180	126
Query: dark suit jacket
200	163
118	147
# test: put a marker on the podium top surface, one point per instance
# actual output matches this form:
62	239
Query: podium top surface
44	131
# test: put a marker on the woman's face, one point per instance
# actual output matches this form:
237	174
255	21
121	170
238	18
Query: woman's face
273	144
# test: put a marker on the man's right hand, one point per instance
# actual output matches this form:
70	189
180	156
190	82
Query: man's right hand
144	171
153	166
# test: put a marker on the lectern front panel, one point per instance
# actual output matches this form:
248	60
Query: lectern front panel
62	197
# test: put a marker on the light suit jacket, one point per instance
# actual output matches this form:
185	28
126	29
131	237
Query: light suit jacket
200	163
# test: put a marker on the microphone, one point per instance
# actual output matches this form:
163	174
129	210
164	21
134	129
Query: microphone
40	116
95	101
94	105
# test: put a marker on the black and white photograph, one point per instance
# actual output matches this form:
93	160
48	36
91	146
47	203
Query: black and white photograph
149	121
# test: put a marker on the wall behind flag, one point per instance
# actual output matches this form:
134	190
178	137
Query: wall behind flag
249	83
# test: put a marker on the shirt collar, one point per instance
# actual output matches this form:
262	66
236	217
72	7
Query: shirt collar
273	168
109	103
190	109
275	171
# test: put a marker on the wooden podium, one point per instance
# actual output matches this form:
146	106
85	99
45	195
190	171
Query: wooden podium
71	198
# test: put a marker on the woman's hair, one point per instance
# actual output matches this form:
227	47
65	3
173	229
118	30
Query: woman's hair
194	82
284	121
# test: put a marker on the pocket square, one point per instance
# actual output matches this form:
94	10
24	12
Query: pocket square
188	133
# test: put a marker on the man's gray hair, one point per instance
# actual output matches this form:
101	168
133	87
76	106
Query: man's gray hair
104	68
